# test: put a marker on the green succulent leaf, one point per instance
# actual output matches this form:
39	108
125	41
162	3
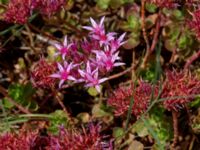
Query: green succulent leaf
22	94
103	4
57	119
150	7
117	132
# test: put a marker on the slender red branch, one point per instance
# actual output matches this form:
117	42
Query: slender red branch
144	24
3	6
149	49
121	73
175	126
58	99
157	29
42	32
192	59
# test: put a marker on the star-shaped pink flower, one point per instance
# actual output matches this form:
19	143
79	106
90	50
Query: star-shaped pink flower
63	49
91	77
64	73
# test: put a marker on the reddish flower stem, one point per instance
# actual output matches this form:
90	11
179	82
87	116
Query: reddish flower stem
157	29
144	24
175	126
58	99
121	73
192	59
42	32
149	49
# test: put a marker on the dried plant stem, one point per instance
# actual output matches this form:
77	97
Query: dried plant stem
57	97
41	32
175	126
149	49
192	59
30	35
192	143
3	6
20	107
144	24
156	32
121	73
72	27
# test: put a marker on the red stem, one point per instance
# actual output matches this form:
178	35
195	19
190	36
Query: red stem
175	126
192	59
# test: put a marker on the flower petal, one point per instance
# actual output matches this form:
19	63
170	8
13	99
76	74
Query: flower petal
71	78
55	75
65	42
102	80
88	28
60	67
102	20
82	73
57	45
94	24
118	64
61	83
97	87
88	68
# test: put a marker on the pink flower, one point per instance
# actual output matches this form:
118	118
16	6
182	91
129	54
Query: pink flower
96	28
88	46
64	48
107	59
91	77
64	73
104	38
116	43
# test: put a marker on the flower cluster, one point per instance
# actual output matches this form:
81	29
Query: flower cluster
179	89
19	141
141	95
195	22
75	140
181	85
87	61
164	3
66	140
26	7
41	74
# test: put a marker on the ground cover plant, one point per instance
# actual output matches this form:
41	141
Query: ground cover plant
99	74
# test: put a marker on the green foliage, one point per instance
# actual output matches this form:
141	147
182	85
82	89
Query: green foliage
100	110
103	4
149	73
177	15
195	103
92	91
157	125
114	4
21	94
57	119
150	7
3	1
117	132
133	25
